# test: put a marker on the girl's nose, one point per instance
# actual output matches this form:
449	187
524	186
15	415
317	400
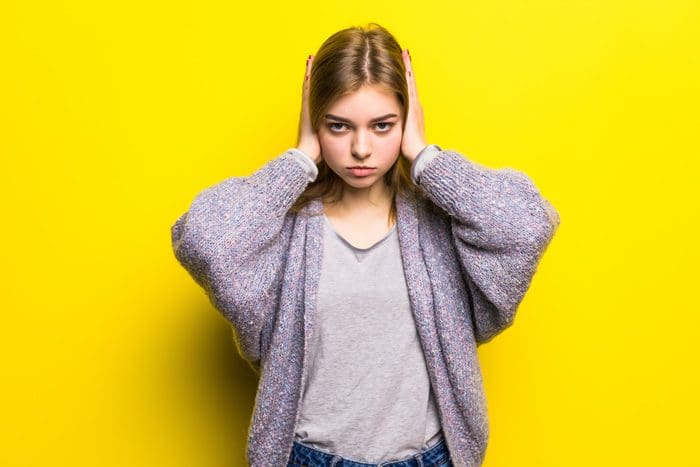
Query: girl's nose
361	146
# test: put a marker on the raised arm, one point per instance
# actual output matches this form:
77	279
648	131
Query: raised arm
233	241
501	227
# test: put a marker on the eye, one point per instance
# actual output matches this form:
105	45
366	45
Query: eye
335	129
387	128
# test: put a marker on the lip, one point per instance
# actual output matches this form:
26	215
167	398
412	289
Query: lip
361	171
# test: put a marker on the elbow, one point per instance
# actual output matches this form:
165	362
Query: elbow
188	253
177	230
552	216
182	248
537	219
550	224
540	231
543	218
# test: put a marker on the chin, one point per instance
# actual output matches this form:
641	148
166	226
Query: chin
364	182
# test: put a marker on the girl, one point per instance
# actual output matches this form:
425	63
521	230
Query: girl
361	269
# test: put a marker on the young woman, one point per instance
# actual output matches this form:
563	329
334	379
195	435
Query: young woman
361	269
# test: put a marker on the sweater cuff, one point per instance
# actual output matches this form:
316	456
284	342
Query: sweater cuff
306	162
424	157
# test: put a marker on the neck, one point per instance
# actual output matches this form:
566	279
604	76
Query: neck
374	201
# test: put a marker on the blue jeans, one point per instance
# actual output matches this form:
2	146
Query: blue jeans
306	456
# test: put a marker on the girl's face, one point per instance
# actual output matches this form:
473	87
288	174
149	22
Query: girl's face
362	129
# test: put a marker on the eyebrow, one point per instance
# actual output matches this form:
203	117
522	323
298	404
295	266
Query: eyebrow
341	119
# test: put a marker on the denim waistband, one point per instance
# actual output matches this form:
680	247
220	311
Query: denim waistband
306	456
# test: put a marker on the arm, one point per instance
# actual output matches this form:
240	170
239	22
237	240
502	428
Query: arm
501	226
231	242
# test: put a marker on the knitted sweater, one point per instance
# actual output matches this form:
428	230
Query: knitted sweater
470	244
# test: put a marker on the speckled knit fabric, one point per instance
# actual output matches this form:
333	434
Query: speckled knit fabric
470	245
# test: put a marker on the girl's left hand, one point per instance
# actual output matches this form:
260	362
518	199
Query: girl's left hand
413	140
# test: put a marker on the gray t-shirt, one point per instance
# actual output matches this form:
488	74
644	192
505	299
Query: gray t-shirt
367	396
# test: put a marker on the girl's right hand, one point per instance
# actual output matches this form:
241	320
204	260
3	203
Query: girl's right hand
307	139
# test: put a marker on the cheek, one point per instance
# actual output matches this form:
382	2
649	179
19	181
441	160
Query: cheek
391	143
331	145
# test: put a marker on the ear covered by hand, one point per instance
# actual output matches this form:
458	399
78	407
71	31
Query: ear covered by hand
413	140
307	139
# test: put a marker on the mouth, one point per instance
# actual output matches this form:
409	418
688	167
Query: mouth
361	171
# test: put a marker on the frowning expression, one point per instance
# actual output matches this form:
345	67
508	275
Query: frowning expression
362	129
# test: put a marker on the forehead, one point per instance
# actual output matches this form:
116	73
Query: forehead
366	103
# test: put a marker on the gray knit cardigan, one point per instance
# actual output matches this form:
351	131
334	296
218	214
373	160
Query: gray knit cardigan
470	243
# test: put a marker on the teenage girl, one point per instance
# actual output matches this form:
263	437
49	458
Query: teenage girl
361	269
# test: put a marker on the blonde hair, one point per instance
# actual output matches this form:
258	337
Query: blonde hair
346	61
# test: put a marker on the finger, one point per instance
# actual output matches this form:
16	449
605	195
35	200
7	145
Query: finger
410	79
407	60
412	76
407	63
309	62
306	73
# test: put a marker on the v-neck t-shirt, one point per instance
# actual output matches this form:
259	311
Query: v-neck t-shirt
367	395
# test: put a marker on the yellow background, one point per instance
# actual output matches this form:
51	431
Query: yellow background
116	114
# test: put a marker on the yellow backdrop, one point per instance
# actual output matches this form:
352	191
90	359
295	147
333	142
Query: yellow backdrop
116	114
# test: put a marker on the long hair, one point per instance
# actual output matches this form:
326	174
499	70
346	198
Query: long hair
346	61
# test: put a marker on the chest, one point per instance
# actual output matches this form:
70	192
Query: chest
360	234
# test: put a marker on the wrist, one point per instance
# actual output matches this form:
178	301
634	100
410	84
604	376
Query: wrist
306	162
423	159
414	151
310	153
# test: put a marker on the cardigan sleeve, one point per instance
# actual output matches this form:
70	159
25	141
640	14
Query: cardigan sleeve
424	157
232	242
306	162
501	227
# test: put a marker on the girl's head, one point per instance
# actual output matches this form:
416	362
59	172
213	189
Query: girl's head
358	75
